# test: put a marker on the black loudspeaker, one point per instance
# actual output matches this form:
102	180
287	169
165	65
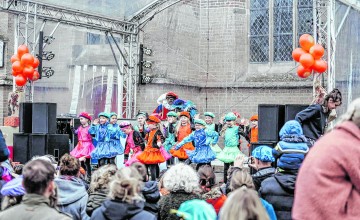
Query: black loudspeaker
37	145
58	145
292	110
44	118
271	119
25	116
255	145
21	149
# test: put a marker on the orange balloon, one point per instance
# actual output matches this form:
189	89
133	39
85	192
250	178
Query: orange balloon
296	54
317	51
320	66
306	42
27	59
303	72
17	67
36	63
15	73
35	76
306	60
20	80
28	71
22	49
14	58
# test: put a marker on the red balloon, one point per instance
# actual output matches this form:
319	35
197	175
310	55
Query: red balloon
320	66
35	76
306	60
14	58
306	41
22	49
317	51
27	59
296	54
303	72
20	80
17	67
28	71
15	73
36	63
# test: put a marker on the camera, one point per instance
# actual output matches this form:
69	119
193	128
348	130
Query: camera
248	160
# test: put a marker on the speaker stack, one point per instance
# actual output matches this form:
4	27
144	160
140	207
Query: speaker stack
271	120
37	135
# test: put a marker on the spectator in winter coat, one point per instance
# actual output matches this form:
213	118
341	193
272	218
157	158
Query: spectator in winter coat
99	186
150	190
125	201
182	182
314	119
72	193
39	184
328	185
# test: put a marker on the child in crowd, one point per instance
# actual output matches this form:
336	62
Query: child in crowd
116	133
211	126
141	127
84	147
202	154
182	130
253	131
170	140
104	152
231	134
134	142
152	155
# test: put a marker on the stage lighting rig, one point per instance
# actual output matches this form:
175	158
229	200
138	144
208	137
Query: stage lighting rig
48	72
48	55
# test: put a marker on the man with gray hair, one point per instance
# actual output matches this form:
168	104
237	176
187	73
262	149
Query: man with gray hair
38	181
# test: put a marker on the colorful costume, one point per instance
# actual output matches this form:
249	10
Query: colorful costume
115	135
84	146
231	149
135	142
202	152
170	140
152	154
183	132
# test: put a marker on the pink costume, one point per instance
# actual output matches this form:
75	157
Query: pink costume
84	146
136	149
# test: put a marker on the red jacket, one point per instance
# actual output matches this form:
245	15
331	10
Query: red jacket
328	184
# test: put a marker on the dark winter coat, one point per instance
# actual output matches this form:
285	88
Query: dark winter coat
313	120
151	194
119	210
95	200
279	192
173	201
4	151
261	175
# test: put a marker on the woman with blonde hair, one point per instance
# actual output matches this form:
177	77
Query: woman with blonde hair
182	182
125	200
243	204
99	186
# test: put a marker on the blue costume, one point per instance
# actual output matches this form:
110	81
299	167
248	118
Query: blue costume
202	152
115	135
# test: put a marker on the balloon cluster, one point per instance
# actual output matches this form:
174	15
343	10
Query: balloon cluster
309	56
24	65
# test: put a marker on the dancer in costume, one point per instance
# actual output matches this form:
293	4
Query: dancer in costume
170	139
141	126
152	155
231	134
116	133
203	154
165	102
84	147
134	142
182	130
252	131
211	126
104	152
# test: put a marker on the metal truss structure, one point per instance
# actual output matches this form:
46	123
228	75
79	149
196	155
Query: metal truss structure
30	18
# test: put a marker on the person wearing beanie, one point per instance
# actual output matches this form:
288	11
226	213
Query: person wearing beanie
104	152
210	125
231	134
134	142
203	154
152	156
165	102
252	135
115	134
182	130
170	139
314	119
328	183
83	149
141	126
